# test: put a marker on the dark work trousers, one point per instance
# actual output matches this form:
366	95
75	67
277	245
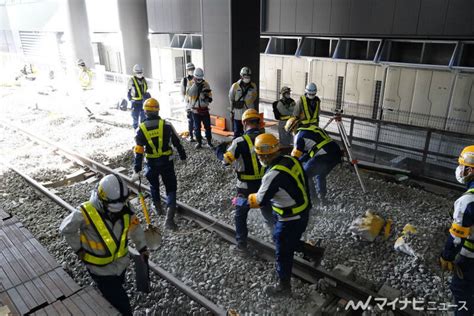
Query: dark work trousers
189	115
238	128
138	115
318	167
287	238
241	214
111	287
462	286
153	172
205	119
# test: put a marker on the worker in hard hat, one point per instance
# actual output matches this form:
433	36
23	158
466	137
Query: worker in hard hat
318	152
284	188
154	139
283	110
242	157
308	106
85	75
200	97
458	254
137	94
98	231
242	96
187	83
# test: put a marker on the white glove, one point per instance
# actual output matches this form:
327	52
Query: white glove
135	176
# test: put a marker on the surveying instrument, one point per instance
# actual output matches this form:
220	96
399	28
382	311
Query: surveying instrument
345	141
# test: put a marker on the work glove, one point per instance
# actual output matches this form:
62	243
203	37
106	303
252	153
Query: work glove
135	176
445	264
240	201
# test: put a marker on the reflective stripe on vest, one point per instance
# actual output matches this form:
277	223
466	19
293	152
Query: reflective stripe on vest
257	173
470	190
284	117
155	133
308	119
113	250
296	172
322	133
137	88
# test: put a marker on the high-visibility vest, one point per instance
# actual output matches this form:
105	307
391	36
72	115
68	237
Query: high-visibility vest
325	138
257	171
139	95
310	119
108	242
155	133
296	172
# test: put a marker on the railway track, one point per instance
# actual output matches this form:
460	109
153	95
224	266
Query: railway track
336	286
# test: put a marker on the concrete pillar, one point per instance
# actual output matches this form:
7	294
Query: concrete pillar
231	40
134	27
79	31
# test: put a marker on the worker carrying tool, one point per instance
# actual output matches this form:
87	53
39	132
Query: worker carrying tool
458	254
187	83
318	153
200	97
242	157
308	106
283	110
154	139
98	232
242	96
137	94
284	188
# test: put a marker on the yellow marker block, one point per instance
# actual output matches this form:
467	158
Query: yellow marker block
388	228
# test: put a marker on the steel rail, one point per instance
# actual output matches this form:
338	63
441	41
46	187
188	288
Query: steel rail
339	286
195	296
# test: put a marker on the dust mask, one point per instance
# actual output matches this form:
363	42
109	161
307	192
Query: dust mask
115	207
311	96
139	76
286	95
246	80
190	73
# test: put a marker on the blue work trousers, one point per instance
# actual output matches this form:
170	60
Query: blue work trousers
287	238
205	119
138	115
238	128
111	287
168	176
189	115
241	214
462	287
317	169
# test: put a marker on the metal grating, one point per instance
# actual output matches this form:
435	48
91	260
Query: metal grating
378	89
340	86
278	84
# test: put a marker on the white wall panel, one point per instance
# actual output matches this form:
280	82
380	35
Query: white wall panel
359	89
461	108
391	99
421	102
440	92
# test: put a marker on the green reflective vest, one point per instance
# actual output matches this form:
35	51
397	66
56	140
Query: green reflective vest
113	250
257	173
325	138
310	119
155	133
139	95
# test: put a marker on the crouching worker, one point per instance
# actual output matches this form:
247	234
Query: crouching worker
284	188
98	233
242	157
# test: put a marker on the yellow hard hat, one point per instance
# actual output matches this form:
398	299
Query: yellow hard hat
151	105
292	124
466	158
266	144
250	114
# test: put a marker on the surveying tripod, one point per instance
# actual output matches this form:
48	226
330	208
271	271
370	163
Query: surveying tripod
345	141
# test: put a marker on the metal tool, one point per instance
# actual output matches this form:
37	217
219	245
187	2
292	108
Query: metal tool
347	145
152	233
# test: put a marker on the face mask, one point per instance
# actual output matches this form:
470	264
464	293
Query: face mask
311	96
460	174
198	80
139	76
190	73
286	95
246	80
115	207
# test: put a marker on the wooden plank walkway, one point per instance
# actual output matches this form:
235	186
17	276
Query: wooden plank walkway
32	282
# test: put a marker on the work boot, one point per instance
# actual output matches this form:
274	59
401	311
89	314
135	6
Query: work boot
282	288
191	139
209	143
169	222
198	145
159	208
313	253
240	249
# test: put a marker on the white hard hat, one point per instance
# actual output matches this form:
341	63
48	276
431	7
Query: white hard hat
190	66
113	192
199	73
137	69
245	71
311	88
